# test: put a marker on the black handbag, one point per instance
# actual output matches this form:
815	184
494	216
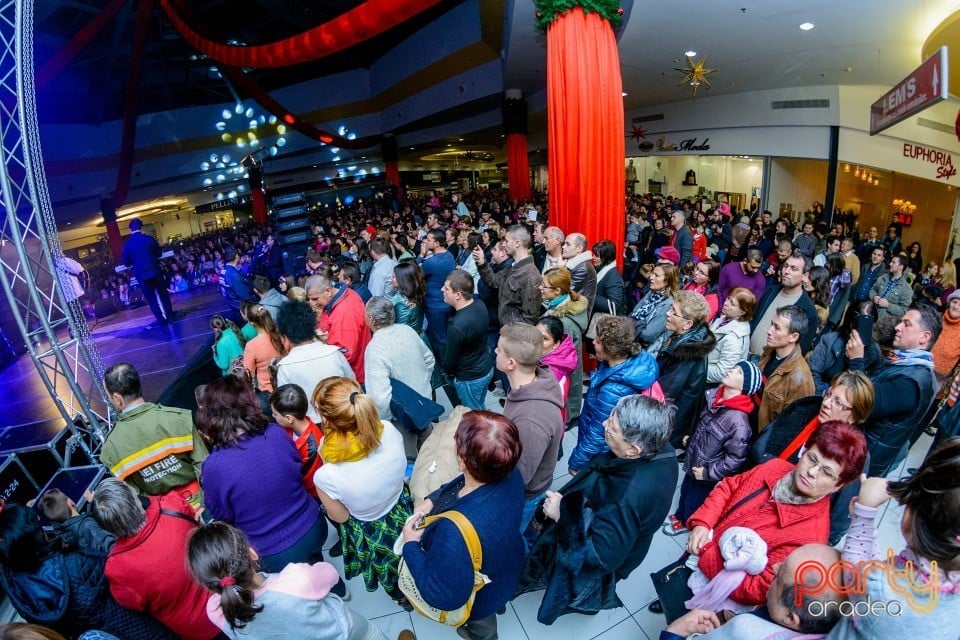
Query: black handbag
671	586
670	582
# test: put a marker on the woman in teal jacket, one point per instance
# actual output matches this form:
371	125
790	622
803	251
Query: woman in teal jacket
227	343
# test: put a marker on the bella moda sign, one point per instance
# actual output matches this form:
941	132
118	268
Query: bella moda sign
662	146
942	160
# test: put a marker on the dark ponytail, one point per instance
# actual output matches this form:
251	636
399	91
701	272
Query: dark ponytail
219	557
932	496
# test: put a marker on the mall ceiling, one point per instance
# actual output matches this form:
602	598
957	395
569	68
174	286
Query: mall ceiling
91	89
753	44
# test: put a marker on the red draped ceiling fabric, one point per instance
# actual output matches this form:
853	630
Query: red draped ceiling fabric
518	167
52	67
131	103
586	143
361	23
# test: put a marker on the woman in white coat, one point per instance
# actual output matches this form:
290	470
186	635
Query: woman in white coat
732	329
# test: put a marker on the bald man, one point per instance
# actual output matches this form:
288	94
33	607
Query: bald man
781	611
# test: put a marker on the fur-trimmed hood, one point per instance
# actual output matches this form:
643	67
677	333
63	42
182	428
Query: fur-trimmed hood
571	307
693	345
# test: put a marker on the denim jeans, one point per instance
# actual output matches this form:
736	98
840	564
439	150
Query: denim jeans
473	393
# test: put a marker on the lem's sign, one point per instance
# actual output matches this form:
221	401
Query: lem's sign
925	86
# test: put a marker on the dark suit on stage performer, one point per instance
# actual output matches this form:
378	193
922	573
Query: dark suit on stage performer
141	252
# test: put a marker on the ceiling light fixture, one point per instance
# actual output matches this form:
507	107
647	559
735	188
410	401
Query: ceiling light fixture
806	26
690	53
623	94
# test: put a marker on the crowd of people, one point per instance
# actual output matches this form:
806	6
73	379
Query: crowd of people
777	372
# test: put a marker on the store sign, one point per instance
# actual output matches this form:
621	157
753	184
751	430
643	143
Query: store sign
690	144
942	160
226	203
925	86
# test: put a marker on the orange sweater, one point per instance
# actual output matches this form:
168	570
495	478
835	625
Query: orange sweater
256	359
946	350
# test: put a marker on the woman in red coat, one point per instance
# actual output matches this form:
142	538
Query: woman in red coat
787	505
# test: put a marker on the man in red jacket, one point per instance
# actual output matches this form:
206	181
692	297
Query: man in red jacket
147	567
341	318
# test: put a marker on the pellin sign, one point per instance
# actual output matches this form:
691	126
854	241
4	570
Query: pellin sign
850	579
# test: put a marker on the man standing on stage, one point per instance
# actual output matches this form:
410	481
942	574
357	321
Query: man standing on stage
153	448
141	252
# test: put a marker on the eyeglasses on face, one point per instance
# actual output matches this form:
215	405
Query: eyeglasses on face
831	398
812	460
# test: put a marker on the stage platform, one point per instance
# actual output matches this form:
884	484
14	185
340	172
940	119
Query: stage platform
171	361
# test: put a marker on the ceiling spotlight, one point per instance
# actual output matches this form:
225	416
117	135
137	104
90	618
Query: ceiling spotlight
690	53
806	26
623	94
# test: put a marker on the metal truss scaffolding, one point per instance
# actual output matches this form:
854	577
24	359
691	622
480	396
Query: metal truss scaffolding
52	324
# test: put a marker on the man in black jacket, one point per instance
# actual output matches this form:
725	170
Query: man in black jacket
904	387
466	357
788	292
141	252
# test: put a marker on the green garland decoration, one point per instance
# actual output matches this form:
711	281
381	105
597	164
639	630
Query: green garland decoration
550	10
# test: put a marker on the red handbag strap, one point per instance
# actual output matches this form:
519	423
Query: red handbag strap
801	438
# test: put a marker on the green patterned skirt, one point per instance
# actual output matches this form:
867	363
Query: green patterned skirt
368	547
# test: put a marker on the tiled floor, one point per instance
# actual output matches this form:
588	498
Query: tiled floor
159	358
631	622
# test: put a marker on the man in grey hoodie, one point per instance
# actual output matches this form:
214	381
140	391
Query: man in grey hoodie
534	404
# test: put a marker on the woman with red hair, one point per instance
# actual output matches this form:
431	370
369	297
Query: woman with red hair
490	495
786	504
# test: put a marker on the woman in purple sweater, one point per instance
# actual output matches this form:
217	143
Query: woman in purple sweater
252	478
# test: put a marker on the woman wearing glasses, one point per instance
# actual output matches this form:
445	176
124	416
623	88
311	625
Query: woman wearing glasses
561	301
705	277
786	504
849	399
681	353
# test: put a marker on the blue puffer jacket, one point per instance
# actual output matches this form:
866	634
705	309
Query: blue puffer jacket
70	594
607	385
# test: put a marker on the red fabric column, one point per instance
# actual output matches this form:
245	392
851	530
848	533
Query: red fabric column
109	213
115	241
518	167
391	156
393	176
259	207
585	128
257	198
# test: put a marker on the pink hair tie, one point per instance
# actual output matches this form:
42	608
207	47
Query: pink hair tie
227	581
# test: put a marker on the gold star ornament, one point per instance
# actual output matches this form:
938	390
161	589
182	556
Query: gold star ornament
695	73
